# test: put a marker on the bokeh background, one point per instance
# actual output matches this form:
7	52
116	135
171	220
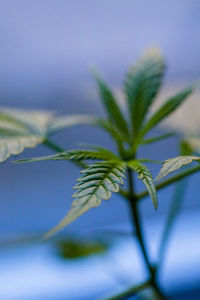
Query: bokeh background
47	50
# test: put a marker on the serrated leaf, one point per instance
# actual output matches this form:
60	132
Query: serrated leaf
173	164
111	106
166	109
145	175
142	85
95	185
77	155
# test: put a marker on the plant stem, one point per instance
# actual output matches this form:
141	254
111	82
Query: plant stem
137	224
131	291
175	207
169	181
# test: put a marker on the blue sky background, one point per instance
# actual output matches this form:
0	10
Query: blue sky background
47	50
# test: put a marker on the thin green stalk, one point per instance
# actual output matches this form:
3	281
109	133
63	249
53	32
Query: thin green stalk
137	225
135	217
53	146
131	291
174	209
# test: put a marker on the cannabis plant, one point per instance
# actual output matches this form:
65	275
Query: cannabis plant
103	171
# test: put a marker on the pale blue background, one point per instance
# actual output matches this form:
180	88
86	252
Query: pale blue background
47	48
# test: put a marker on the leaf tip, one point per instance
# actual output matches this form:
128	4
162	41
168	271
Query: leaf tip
158	177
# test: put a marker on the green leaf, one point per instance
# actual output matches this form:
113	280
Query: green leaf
77	155
115	134
96	183
142	84
21	129
145	175
111	106
61	123
166	109
157	138
173	164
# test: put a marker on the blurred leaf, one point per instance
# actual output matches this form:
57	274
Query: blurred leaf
142	85
20	129
173	164
166	109
186	148
64	122
73	249
96	183
111	106
193	143
145	175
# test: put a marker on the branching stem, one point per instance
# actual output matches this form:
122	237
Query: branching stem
131	291
163	184
137	225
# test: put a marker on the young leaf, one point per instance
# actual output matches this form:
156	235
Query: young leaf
166	109
111	106
157	138
142	85
96	184
100	154
145	175
173	164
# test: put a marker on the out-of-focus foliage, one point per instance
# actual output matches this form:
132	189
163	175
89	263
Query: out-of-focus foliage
74	249
105	171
